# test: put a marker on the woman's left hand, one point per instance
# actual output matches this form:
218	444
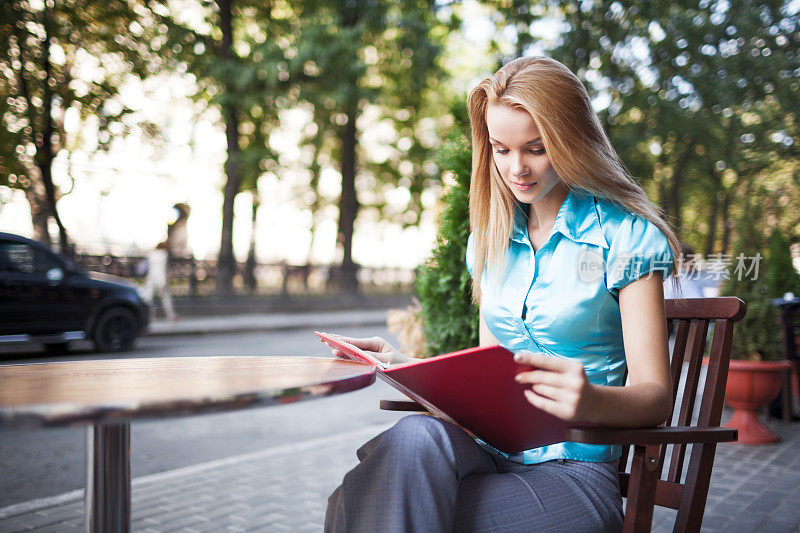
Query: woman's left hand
557	386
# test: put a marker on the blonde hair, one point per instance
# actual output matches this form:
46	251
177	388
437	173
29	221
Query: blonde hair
575	143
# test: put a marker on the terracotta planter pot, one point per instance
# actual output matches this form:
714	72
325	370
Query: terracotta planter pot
751	384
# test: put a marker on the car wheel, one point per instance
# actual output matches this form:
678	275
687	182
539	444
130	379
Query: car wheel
116	330
56	348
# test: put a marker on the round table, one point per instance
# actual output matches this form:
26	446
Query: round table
107	393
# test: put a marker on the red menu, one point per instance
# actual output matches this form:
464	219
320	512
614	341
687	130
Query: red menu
474	389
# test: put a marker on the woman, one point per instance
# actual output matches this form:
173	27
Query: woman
567	256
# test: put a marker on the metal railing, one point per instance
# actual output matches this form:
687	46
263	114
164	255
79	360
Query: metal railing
193	277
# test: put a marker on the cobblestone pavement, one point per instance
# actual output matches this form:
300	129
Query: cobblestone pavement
284	488
753	488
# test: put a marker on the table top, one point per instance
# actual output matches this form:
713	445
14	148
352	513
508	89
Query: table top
90	391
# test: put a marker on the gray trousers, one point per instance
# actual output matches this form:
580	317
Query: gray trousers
427	475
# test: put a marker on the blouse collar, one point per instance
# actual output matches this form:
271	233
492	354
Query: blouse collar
577	220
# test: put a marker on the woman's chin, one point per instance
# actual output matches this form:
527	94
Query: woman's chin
526	197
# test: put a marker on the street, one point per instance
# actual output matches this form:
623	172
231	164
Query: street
46	462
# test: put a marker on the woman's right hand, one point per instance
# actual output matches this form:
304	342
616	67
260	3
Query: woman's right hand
374	346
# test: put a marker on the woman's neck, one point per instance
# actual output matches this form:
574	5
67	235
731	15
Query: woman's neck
542	214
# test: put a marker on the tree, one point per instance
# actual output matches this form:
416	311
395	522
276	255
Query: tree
358	54
518	17
701	98
42	47
240	68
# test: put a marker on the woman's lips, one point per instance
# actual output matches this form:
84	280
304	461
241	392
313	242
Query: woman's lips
524	186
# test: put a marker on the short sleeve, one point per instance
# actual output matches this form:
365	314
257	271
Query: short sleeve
470	253
639	248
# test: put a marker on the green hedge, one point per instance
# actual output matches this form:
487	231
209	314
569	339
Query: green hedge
449	319
757	336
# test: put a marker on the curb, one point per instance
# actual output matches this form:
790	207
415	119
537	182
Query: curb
267	322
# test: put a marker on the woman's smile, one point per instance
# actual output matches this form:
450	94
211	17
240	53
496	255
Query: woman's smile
524	187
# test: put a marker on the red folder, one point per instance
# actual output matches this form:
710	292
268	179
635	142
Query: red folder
474	389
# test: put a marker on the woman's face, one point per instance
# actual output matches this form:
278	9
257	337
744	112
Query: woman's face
519	154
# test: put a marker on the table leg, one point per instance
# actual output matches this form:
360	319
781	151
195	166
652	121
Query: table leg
108	477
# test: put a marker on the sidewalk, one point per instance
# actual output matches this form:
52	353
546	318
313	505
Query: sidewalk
284	488
267	321
211	315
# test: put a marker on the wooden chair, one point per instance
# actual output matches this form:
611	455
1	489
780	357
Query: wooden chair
683	489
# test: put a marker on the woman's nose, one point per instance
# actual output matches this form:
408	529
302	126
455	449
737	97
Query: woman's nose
518	167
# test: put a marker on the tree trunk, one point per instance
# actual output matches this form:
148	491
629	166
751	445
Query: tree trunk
711	236
44	151
348	203
250	280
673	208
226	262
728	223
40	214
316	170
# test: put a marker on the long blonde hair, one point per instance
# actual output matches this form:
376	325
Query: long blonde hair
575	143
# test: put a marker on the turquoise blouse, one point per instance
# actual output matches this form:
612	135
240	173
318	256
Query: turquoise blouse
562	300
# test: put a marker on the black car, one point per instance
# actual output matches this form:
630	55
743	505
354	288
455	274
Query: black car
47	297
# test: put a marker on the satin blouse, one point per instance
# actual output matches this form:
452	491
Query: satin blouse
562	299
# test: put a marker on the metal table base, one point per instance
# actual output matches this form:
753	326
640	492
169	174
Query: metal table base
108	477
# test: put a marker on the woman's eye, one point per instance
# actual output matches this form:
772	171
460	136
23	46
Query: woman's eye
504	151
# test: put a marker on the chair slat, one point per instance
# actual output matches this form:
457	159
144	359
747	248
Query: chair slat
717	374
680	327
701	462
697	347
678	355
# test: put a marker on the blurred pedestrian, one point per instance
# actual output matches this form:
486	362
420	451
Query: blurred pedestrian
686	275
156	282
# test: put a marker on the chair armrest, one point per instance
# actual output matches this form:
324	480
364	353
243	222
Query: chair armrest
401	405
648	436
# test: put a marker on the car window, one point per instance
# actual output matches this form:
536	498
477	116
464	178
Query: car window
25	259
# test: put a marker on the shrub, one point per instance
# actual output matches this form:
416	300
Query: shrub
758	335
779	273
449	318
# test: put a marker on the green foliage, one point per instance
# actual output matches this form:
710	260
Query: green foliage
450	320
46	51
336	61
246	79
384	58
758	335
701	103
514	18
780	275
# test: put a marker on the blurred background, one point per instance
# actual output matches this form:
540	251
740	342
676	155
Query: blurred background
294	147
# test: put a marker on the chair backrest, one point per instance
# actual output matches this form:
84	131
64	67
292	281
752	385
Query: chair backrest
684	486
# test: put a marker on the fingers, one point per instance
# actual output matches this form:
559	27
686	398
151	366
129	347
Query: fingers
372	344
380	356
540	360
554	393
553	407
342	355
540	376
557	386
